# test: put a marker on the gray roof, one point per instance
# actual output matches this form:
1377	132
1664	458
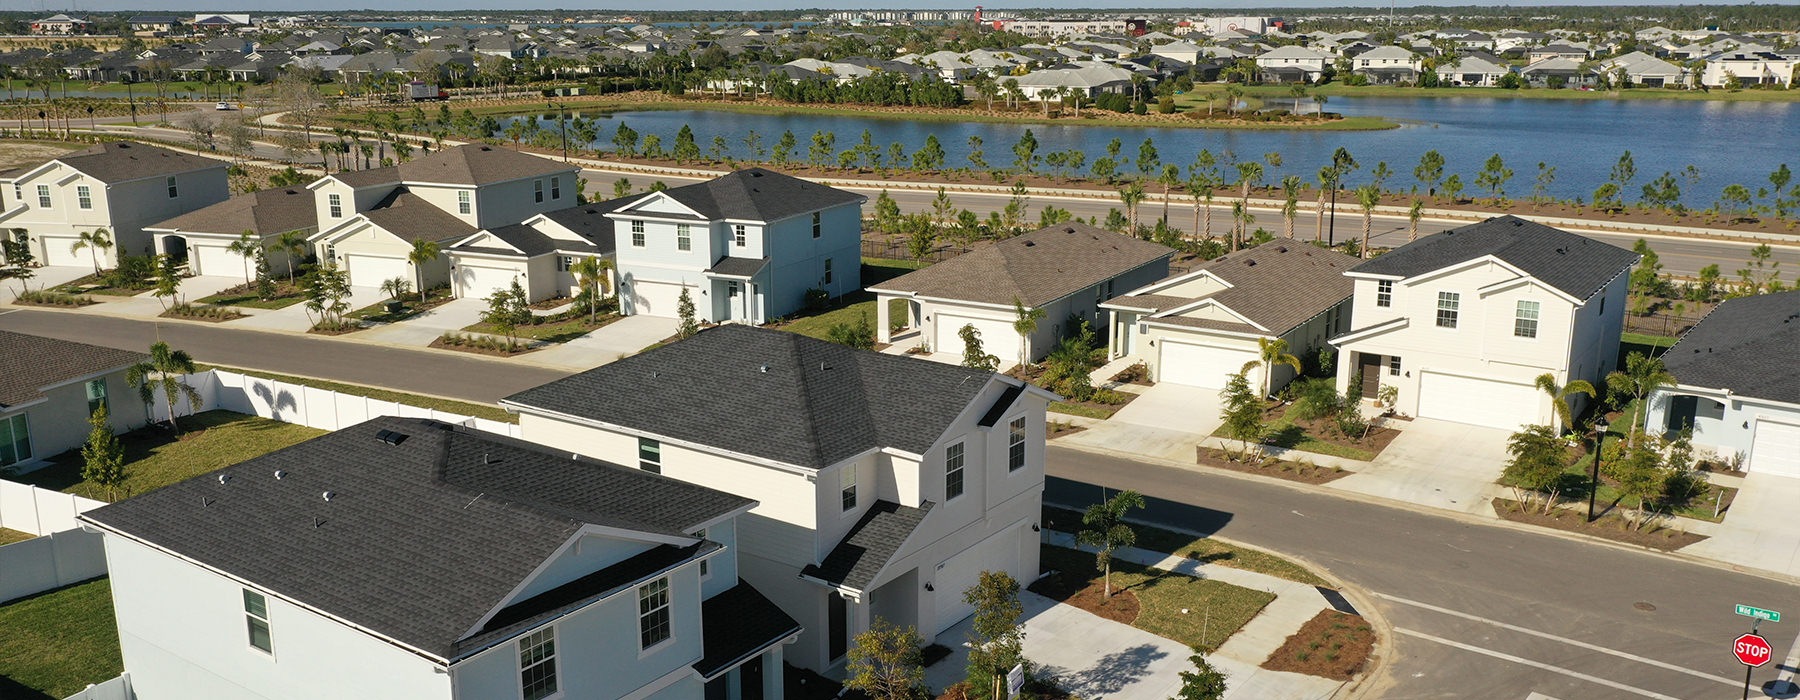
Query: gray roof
737	624
420	539
266	212
858	559
469	164
1576	265
1280	284
756	194
811	403
1749	345
28	363
124	161
411	218
1035	268
738	267
590	221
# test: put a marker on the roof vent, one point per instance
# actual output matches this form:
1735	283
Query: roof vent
487	148
1070	229
279	475
327	496
1281	249
1031	244
486	459
764	368
292	192
1249	263
224	478
390	437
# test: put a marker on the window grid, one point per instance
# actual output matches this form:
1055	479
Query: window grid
953	471
537	190
1384	293
817	227
847	484
828	271
737	235
1015	445
684	237
1393	365
556	188
173	192
336	203
256	619
43	196
96	395
463	205
564	262
84	196
653	613
650	455
1525	320
537	664
1447	305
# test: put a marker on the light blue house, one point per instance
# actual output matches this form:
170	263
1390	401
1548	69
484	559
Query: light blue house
1737	384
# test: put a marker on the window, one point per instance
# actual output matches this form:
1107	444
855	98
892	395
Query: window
953	471
96	393
816	225
1393	365
84	197
556	188
1446	310
18	193
537	190
1384	293
173	193
43	196
463	204
564	262
650	455
15	440
1015	445
847	487
684	237
537	664
828	270
705	564
1525	320
256	617
653	613
331	252
737	234
336	203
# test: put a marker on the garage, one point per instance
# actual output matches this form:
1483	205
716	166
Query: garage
372	270
57	252
1775	448
481	281
651	298
1204	366
204	259
997	337
999	552
1477	401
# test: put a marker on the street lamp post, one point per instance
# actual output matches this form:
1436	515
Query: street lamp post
1600	427
1331	228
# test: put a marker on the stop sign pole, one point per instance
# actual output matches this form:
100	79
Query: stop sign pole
1753	651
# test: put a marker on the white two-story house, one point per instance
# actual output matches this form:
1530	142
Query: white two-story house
1387	65
746	247
1292	64
120	186
1463	322
885	485
405	559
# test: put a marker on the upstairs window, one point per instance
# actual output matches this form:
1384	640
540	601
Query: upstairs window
537	664
1015	445
1448	303
1525	320
737	235
84	197
847	488
650	455
556	188
953	471
1384	293
43	196
173	192
637	234
335	202
817	226
653	613
537	190
256	618
684	237
463	203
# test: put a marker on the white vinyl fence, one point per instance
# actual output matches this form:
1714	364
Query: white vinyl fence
304	405
115	688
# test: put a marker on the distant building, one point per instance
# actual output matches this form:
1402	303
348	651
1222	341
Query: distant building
1245	25
1070	27
153	24
60	25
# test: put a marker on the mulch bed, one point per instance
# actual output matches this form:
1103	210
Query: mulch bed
550	303
1331	645
1325	430
1058	429
348	328
1086	593
1136	374
85	302
1611	526
1280	469
208	318
495	352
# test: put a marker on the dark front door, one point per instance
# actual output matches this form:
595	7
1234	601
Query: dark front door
840	626
750	679
1368	365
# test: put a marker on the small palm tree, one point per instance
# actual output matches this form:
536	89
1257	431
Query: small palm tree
1130	196
1413	214
1642	374
291	243
590	274
163	371
1368	197
1559	396
246	246
94	241
423	251
1271	354
1106	531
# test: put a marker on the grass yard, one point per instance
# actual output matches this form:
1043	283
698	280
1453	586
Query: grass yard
155	457
10	536
446	405
1205	549
286	295
93	284
1285	432
552	329
1083	410
409	307
874	270
1215	610
58	642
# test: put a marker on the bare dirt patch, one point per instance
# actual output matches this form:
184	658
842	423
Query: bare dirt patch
1610	526
1331	645
1086	593
17	153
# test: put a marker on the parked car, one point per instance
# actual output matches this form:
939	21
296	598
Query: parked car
223	107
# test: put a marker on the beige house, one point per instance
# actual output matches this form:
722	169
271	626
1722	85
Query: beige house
205	236
121	186
49	388
538	253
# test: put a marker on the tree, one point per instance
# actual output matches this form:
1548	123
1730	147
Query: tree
163	371
1272	354
1290	204
858	334
885	662
684	310
1171	174
1147	159
264	283
1367	196
1539	457
591	277
1413	214
976	157
974	356
396	287
625	141
1493	177
246	246
686	148
929	156
327	288
996	636
95	242
1641	376
422	252
290	244
1640	475
1025	322
1025	156
508	309
1131	195
1761	275
1779	180
168	281
1559	396
1663	193
1453	186
1204	682
1606	197
1242	410
103	457
784	148
1736	198
1106	531
1624	171
1430	171
1540	187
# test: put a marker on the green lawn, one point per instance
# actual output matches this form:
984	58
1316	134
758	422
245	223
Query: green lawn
409	307
1196	612
1083	410
57	643
10	536
552	331
1207	550
874	271
286	295
1651	341
92	284
154	457
1285	434
466	408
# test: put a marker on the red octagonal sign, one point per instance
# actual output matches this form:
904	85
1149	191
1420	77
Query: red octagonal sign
1752	650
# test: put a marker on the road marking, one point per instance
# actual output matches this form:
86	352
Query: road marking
1564	640
1615	685
1538	696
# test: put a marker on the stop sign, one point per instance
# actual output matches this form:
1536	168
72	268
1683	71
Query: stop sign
1752	650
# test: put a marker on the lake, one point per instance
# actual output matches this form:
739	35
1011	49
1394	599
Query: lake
1730	142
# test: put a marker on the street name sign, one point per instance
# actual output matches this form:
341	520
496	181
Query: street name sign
1758	613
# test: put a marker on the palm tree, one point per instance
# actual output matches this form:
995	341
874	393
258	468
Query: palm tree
1327	180
94	241
1559	396
291	243
1171	174
1642	374
1200	187
1271	354
246	246
1413	214
163	371
1131	195
1290	207
423	251
591	275
1368	197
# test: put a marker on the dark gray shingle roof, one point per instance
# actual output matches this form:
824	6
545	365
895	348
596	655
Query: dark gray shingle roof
1035	268
1282	284
411	218
770	394
757	194
1576	265
857	560
123	161
1749	345
267	212
737	624
29	363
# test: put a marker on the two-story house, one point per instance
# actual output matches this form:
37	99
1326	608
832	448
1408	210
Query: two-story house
746	247
119	186
1292	64
368	220
1387	65
1463	322
405	558
885	485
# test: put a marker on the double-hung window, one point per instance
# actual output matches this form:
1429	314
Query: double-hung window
847	487
684	237
1448	303
556	188
537	190
537	664
84	196
15	439
828	271
256	619
1525	319
464	204
953	471
43	196
173	192
335	203
653	613
1015	445
737	235
96	395
564	262
637	233
1393	365
650	455
817	224
1384	293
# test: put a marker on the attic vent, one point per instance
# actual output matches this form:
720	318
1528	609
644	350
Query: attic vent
389	437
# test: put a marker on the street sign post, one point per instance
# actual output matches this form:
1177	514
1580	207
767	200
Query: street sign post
1752	651
1758	613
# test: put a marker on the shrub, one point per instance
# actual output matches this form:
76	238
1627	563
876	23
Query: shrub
47	298
1110	397
816	299
1314	398
133	271
203	312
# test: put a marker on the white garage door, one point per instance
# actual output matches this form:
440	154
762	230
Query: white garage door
1204	366
474	281
650	298
999	552
372	270
1486	402
215	260
56	252
997	337
1775	449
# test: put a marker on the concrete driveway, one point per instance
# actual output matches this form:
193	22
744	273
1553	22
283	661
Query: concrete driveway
1165	422
422	329
45	278
1759	527
626	336
1436	463
1091	656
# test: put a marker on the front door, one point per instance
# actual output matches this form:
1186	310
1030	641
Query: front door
839	622
750	679
734	292
1368	365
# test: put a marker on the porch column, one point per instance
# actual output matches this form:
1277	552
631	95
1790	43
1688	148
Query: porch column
1114	330
883	333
